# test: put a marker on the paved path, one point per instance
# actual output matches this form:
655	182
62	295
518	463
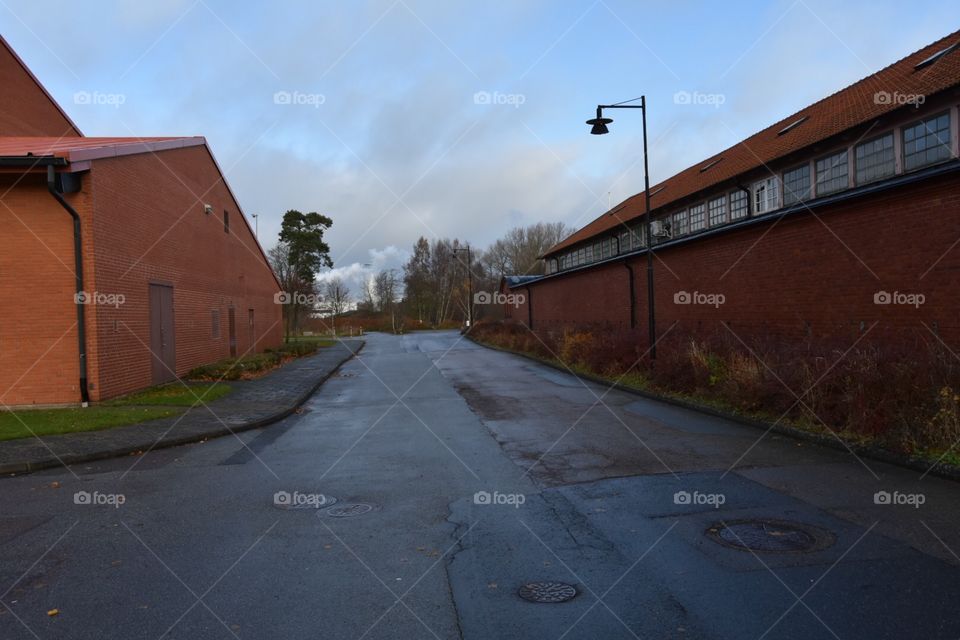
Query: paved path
416	426
250	404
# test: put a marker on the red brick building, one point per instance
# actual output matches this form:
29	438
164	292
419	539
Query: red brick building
839	219
125	262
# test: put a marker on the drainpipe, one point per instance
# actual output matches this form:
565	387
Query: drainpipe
78	268
529	308
749	198
633	297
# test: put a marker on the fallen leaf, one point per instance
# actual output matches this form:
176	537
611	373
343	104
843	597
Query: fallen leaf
53	612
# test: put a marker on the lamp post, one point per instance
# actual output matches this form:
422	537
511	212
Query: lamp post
256	225
469	285
598	126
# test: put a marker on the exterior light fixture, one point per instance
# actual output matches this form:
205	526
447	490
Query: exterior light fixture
598	127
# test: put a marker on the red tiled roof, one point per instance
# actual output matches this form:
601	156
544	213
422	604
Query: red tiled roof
847	108
79	149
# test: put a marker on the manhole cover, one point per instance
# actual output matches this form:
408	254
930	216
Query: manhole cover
348	510
773	536
547	591
284	500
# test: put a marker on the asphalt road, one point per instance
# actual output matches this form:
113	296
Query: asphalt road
600	489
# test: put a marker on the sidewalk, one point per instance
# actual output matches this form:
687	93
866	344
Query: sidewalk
251	404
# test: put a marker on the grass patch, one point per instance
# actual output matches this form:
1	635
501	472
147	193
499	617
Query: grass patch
173	395
255	365
24	424
320	341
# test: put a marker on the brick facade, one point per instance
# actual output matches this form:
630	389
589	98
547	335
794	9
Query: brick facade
141	223
26	109
808	275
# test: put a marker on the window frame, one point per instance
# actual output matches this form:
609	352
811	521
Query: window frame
679	224
804	195
922	121
697	212
816	188
713	220
746	202
892	135
768	203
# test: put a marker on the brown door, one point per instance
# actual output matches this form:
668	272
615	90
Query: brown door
162	344
232	328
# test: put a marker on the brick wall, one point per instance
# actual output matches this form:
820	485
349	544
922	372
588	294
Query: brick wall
804	276
25	109
150	227
38	335
141	224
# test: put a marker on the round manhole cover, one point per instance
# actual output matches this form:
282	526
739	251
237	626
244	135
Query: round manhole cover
349	509
547	592
296	500
772	536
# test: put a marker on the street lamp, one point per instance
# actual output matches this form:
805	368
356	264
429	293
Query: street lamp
598	127
469	284
256	224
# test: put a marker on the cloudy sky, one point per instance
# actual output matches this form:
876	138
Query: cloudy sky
445	118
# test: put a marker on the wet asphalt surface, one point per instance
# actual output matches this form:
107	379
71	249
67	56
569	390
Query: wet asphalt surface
600	489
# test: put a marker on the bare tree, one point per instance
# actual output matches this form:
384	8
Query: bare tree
337	295
295	289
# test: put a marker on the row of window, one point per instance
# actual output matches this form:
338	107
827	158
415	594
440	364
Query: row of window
923	143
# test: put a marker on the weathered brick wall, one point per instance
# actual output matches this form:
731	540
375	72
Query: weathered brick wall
38	334
806	276
150	227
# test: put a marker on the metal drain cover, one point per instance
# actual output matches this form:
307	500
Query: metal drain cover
551	592
771	536
287	501
349	509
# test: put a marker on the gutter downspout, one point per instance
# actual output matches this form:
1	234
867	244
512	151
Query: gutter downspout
78	268
749	198
633	297
529	308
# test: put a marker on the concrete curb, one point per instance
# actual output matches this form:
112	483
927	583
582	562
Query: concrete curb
942	470
8	468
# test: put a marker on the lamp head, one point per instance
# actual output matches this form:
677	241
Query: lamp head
598	126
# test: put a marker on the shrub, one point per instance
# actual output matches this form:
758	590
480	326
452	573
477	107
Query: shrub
897	394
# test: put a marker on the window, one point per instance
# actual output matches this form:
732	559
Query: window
939	54
875	159
926	142
790	126
215	324
832	173
796	184
698	217
588	254
624	242
717	210
226	221
765	196
679	224
739	205
551	266
637	235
